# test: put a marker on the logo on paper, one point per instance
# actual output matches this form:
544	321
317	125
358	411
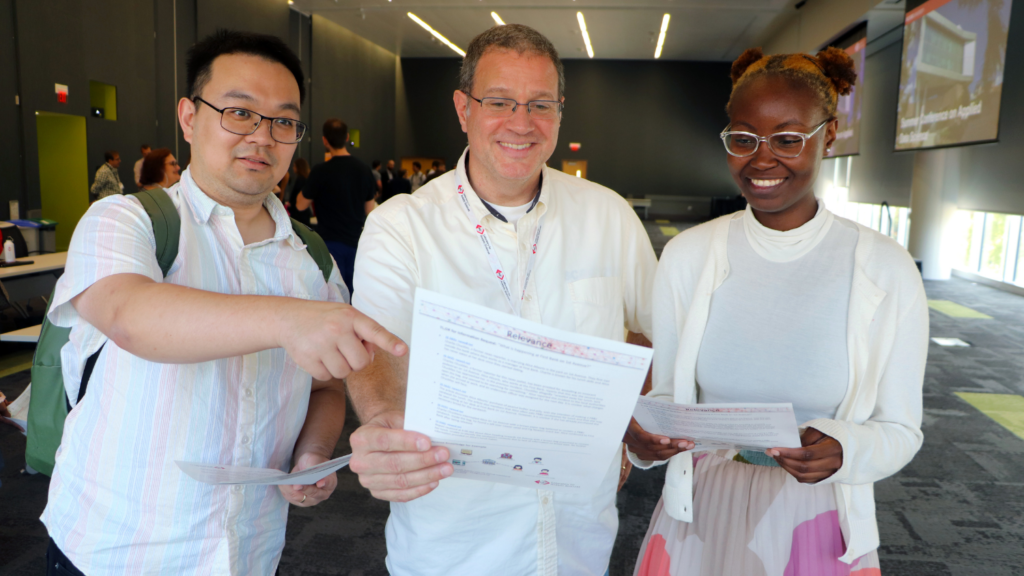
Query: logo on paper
534	248
460	189
542	482
500	274
479	229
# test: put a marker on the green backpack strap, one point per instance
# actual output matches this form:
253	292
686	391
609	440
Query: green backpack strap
316	247
166	225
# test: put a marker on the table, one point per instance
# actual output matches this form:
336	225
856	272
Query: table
36	279
30	334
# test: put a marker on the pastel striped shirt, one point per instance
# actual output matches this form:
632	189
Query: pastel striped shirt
118	504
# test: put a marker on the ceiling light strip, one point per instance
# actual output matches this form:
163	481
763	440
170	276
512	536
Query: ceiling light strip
661	37
586	37
436	34
497	19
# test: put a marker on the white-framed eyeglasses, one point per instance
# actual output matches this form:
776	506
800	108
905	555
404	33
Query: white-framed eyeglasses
782	144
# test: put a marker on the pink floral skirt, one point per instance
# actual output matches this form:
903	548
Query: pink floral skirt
750	520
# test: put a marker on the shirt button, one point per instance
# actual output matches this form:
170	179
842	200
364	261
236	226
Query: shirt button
545	501
245	439
248	392
529	298
237	488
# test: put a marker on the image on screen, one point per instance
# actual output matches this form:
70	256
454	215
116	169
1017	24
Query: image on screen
855	43
951	81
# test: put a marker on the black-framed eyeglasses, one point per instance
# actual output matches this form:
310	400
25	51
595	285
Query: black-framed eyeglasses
245	122
505	107
783	144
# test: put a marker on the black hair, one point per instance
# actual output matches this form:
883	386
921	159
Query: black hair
435	164
109	155
375	164
202	54
417	164
336	132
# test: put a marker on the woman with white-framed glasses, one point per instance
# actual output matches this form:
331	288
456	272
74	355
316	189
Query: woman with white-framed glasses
783	303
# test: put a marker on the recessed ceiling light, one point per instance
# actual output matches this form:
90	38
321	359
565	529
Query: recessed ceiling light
661	37
436	34
586	37
497	19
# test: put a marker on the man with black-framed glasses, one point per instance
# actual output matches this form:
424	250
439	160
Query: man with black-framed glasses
234	356
573	255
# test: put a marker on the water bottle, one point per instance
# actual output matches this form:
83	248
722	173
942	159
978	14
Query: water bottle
9	251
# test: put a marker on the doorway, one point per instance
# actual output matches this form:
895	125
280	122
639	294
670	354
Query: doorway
63	171
576	168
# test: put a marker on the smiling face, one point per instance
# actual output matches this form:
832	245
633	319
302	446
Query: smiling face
511	149
235	169
765	106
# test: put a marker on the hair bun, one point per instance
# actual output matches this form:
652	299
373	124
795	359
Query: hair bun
837	66
749	56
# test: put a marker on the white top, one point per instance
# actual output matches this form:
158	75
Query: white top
593	274
878	423
513	213
118	504
138	168
777	330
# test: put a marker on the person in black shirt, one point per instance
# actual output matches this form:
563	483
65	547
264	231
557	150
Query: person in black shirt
301	175
343	190
398	185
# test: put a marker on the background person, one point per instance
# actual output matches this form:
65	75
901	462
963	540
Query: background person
784	302
344	192
417	178
301	168
107	181
144	149
214	363
375	169
160	170
441	525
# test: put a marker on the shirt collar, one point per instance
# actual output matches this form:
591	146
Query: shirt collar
544	187
203	208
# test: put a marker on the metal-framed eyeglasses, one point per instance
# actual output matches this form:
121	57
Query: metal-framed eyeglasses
505	107
245	122
782	144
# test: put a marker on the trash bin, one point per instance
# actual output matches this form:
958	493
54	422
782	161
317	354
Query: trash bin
30	232
47	235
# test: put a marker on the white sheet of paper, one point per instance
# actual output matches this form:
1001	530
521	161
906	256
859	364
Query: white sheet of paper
717	426
214	474
517	402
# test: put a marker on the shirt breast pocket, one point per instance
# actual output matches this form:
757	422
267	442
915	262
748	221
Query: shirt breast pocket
597	305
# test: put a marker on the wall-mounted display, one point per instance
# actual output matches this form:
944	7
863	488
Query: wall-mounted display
855	43
951	81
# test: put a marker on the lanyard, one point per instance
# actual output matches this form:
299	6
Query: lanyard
492	255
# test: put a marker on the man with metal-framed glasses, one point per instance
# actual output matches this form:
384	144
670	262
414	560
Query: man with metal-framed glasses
235	356
567	252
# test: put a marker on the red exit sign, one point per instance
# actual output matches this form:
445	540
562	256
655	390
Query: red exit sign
62	93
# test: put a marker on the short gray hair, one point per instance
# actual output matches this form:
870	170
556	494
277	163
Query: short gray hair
514	37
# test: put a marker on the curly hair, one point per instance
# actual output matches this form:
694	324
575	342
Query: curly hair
829	74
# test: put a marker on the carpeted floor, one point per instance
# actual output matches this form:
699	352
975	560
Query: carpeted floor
957	509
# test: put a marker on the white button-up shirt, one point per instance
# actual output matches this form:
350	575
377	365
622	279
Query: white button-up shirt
593	275
118	503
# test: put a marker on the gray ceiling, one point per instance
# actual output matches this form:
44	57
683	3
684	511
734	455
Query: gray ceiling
699	29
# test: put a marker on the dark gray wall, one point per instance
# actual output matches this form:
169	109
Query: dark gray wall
878	174
264	16
645	127
353	79
72	43
11	160
990	173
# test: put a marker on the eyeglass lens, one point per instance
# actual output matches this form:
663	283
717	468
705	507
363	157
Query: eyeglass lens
507	106
784	145
244	122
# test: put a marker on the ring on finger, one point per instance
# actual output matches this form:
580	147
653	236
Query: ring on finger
303	501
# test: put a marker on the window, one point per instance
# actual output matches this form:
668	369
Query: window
989	244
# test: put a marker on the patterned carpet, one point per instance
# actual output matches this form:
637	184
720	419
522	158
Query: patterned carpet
957	509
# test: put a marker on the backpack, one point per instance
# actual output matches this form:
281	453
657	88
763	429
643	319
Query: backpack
49	405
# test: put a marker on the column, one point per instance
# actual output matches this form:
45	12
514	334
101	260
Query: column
933	200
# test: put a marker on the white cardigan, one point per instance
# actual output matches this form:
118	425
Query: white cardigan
878	422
